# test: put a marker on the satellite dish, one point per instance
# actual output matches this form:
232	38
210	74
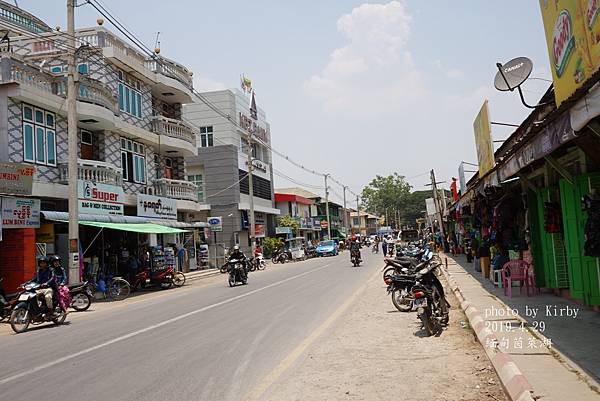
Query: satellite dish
512	74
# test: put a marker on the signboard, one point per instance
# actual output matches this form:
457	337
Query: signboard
156	207
324	224
483	140
20	213
97	198
283	230
258	165
252	126
16	179
546	142
45	233
259	231
461	178
215	223
430	206
569	25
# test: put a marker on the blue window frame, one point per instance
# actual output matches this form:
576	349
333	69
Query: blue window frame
39	136
130	99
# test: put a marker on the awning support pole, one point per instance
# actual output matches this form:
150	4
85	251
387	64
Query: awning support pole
92	243
560	169
528	183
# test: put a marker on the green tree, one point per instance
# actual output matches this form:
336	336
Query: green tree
386	193
289	221
271	243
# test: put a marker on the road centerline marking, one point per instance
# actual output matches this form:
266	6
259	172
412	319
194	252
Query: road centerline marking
152	327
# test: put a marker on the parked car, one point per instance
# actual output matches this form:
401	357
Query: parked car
326	248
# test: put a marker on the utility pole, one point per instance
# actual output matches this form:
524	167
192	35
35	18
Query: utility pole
345	212
251	196
327	207
73	267
358	214
437	205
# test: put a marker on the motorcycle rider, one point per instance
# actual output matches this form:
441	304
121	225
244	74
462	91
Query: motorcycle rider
59	276
239	255
44	278
355	247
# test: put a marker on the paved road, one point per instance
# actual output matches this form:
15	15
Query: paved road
202	342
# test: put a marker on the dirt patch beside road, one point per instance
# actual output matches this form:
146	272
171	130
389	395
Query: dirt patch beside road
374	352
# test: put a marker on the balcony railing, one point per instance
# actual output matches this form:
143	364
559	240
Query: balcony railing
93	170
170	69
15	71
91	91
176	189
173	128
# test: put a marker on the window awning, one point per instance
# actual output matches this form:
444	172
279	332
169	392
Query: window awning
147	228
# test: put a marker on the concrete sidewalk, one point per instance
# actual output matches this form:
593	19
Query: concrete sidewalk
535	352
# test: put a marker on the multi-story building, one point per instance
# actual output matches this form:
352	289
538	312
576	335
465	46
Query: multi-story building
221	165
365	223
299	208
132	139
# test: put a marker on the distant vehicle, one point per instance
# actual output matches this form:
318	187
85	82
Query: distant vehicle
327	248
408	235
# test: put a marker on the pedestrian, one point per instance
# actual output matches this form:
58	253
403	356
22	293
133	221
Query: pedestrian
384	247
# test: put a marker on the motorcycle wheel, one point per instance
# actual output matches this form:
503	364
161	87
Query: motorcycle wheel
245	281
223	269
275	260
262	265
252	267
119	290
440	308
390	271
401	302
81	302
231	281
61	318
20	319
425	316
178	279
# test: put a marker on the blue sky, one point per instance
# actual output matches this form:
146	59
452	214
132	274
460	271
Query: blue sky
352	88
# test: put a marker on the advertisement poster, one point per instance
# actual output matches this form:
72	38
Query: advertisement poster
97	198
215	223
567	41
20	213
483	140
156	207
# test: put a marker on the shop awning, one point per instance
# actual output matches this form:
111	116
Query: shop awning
147	228
120	219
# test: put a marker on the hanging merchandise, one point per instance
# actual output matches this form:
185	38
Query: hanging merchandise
552	218
170	257
591	246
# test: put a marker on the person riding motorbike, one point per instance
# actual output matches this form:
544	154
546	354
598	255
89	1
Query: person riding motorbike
355	247
239	255
44	278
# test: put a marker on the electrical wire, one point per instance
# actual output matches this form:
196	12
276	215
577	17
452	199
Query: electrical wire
229	187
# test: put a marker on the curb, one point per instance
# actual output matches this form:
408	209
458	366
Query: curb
194	276
513	380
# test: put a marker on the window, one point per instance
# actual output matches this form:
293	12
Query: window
206	136
57	69
129	96
197	179
133	161
355	221
260	186
82	68
39	136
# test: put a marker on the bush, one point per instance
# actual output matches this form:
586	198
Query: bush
271	243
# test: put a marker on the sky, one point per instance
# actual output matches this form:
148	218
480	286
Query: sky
351	88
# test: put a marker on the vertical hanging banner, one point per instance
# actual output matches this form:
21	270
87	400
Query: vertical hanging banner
567	39
483	140
461	179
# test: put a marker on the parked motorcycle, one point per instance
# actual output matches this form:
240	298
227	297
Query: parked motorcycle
237	273
280	256
429	299
7	302
163	278
81	296
310	251
31	309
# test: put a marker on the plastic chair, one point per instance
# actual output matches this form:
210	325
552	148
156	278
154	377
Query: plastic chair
515	270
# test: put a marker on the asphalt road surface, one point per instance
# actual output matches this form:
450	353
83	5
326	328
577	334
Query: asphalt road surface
205	341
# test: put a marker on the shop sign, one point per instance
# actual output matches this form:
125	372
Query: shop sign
215	223
252	126
257	164
324	224
483	140
156	207
283	230
544	143
45	233
98	198
20	213
461	178
16	179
